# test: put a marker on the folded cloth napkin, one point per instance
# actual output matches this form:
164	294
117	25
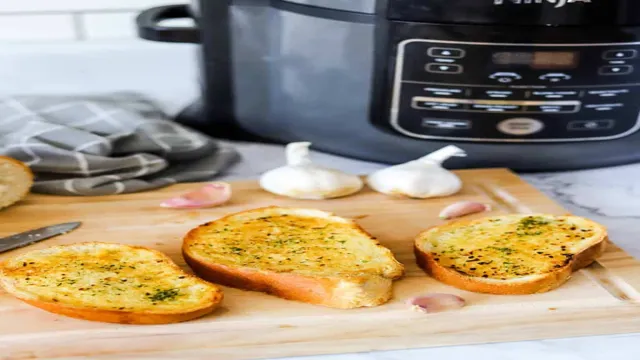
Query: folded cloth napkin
101	145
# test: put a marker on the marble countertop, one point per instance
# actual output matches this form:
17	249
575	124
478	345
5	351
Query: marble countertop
609	195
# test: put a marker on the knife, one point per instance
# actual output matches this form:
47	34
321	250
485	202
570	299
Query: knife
33	236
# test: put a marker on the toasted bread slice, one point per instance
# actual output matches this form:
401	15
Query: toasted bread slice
16	179
298	254
109	283
511	254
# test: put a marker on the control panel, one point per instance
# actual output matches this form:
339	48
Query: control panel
516	92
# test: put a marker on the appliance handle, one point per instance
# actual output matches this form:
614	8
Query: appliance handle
148	28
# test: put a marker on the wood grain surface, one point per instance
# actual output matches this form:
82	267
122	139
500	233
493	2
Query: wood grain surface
601	299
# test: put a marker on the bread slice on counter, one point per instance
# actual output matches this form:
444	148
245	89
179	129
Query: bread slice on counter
510	254
16	179
109	283
298	254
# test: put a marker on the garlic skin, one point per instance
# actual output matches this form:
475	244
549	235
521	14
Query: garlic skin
463	208
421	178
436	302
209	195
302	179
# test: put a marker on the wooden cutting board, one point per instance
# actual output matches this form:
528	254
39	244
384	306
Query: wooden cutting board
599	300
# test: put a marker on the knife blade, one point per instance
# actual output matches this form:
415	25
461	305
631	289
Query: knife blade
33	236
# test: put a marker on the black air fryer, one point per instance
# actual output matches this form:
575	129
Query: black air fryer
530	85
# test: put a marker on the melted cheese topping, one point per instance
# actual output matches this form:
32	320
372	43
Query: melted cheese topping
511	246
106	277
289	243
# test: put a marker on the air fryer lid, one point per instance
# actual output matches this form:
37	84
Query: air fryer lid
518	12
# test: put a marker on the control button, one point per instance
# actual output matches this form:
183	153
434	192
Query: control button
616	70
496	107
604	107
520	126
555	77
620	54
449	61
444	91
608	93
590	125
421	104
499	94
505	77
444	68
446	124
446	53
553	108
554	94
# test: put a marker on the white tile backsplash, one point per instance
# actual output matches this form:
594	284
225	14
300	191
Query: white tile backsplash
119	25
54	27
17	6
102	67
72	20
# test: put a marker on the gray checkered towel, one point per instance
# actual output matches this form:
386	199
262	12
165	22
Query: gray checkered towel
100	145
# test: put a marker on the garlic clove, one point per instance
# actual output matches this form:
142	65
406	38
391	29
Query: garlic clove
209	195
436	302
462	208
421	178
300	178
297	153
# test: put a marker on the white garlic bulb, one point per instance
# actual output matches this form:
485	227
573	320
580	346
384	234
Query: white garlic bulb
302	179
422	178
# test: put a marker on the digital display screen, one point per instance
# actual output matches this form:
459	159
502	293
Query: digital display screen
538	59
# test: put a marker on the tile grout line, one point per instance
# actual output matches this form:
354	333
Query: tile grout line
79	26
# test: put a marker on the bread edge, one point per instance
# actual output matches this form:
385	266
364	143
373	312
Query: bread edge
542	283
28	171
314	290
115	316
118	317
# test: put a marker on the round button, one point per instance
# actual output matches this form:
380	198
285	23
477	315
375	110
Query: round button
520	126
591	125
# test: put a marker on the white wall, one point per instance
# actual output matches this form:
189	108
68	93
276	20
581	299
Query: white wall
90	46
70	20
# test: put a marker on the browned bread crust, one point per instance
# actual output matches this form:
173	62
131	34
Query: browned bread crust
57	300
536	283
122	317
16	180
343	289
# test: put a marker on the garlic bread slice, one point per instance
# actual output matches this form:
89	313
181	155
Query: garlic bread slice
109	283
510	254
299	254
16	180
